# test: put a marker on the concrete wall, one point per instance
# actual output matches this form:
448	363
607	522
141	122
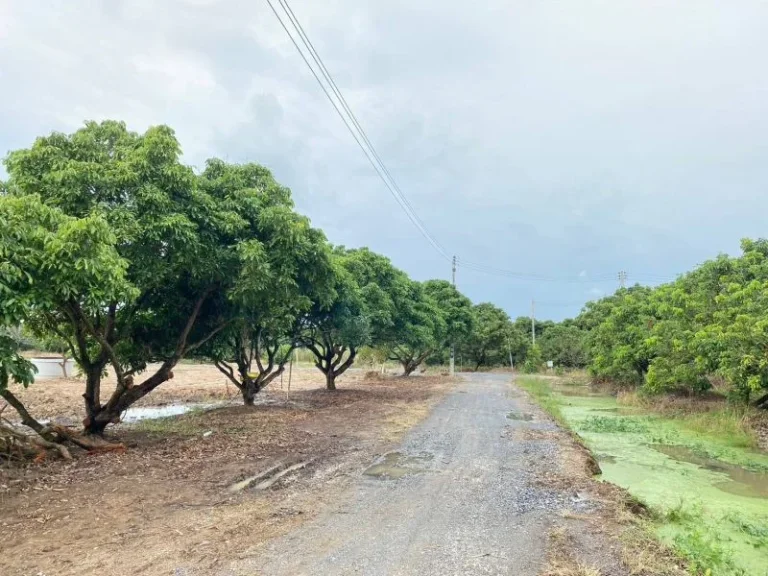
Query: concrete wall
52	368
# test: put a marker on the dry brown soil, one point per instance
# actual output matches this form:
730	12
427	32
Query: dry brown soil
165	503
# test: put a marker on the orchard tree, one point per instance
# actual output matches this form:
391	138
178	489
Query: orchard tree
285	270
486	345
619	344
55	265
565	345
716	323
334	331
126	257
418	329
455	307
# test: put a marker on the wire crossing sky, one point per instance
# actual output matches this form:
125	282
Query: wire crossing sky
346	114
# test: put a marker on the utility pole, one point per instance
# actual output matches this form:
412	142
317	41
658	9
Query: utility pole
622	279
533	323
452	369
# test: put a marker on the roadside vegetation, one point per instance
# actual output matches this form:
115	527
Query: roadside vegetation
702	490
673	405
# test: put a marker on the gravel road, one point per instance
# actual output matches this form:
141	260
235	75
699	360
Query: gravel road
455	498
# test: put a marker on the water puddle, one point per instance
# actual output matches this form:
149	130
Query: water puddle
394	465
525	416
139	413
742	482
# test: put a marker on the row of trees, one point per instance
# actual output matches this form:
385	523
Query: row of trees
709	325
111	246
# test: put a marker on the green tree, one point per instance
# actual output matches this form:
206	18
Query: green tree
486	345
565	345
418	328
126	257
619	344
533	360
285	270
455	308
335	331
715	323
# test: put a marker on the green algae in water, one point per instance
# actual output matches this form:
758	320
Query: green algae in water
613	425
742	482
725	490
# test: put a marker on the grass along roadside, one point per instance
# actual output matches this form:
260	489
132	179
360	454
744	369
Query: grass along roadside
739	426
705	489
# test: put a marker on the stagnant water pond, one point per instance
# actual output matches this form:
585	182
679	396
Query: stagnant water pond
714	495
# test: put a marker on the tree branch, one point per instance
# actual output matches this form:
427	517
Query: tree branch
26	418
210	335
258	350
343	368
228	371
181	344
105	346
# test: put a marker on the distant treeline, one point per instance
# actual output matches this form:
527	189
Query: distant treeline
709	328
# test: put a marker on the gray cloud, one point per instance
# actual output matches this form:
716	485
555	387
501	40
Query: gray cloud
545	137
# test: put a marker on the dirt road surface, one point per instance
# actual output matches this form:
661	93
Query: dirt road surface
461	496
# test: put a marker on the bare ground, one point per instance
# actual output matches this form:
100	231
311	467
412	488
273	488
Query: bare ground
164	504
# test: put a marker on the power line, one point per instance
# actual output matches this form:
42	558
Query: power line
354	127
329	78
371	155
587	279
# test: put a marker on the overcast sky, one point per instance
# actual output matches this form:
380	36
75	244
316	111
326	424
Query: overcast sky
565	139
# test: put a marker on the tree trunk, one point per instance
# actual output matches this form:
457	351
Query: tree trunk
330	379
761	402
249	391
93	407
408	368
123	398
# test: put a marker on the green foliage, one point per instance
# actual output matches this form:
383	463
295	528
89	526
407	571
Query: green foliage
110	243
455	309
284	270
705	555
681	513
419	327
533	360
619	343
13	367
710	322
487	343
334	331
565	345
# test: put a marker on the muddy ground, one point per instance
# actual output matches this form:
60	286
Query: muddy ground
165	502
